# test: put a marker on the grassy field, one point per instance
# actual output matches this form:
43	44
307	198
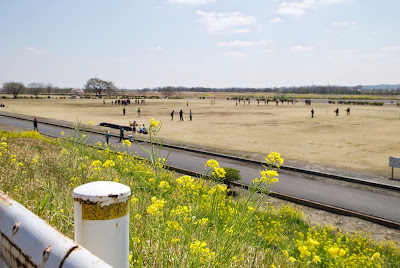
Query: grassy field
362	141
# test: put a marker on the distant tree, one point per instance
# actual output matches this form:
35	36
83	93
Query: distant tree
168	91
14	88
99	86
49	88
35	88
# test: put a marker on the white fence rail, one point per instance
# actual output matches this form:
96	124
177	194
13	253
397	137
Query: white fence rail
28	241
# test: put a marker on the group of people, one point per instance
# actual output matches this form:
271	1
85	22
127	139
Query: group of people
336	111
135	128
181	115
2	105
119	102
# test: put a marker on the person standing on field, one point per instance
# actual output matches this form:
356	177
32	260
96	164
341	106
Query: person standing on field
121	134
134	127
190	115
35	124
348	111
138	112
123	111
181	115
172	115
337	112
107	136
312	113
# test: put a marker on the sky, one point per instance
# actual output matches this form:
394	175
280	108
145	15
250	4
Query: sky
209	43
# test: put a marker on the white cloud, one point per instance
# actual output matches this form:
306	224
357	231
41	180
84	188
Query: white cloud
327	2
276	20
191	2
34	50
343	23
299	49
390	49
242	44
225	22
268	51
158	48
297	8
235	54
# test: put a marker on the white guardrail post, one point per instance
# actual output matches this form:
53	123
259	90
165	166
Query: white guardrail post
102	220
28	241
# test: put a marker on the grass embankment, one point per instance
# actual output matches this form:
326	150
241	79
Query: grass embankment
184	222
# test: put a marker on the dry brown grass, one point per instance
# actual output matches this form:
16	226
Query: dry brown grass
362	141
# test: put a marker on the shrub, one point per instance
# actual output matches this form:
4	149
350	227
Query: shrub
231	175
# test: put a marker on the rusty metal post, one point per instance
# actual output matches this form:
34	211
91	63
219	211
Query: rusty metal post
102	220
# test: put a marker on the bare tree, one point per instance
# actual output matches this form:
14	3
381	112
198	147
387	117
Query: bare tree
14	88
99	86
168	91
35	88
49	88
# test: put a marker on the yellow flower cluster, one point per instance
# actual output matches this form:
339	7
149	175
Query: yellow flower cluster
220	172
268	176
200	248
212	163
202	221
185	181
157	206
180	210
174	225
108	163
154	123
126	143
275	159
164	184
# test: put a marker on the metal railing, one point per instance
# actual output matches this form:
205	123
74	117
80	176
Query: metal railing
28	241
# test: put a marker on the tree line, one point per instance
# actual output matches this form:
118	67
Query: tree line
93	85
102	87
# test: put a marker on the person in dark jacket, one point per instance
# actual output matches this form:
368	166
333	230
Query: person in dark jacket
35	123
181	115
121	134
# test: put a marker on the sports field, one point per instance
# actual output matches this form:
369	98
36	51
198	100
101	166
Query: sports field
362	141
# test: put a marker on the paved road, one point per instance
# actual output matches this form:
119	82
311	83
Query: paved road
386	206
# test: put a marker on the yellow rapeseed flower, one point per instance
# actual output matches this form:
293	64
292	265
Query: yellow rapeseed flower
220	172
316	259
126	143
212	163
154	123
274	158
164	184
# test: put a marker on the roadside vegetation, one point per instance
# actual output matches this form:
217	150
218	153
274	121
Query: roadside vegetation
180	221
